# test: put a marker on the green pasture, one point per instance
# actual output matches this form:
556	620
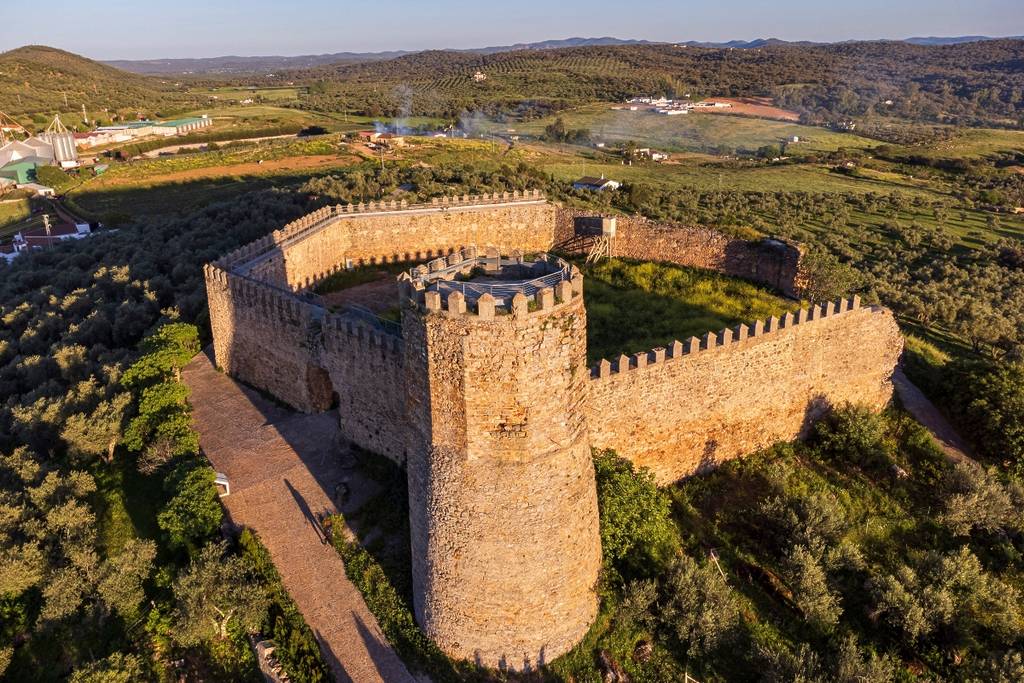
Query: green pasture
690	132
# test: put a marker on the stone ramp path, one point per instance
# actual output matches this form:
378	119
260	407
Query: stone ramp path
925	412
283	467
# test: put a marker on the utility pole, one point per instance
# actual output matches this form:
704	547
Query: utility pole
65	99
85	118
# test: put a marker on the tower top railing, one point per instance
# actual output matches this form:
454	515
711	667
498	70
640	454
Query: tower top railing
518	273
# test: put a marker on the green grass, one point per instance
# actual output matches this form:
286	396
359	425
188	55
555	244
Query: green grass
690	132
14	211
634	306
353	277
973	143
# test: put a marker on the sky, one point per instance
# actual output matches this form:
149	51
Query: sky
149	29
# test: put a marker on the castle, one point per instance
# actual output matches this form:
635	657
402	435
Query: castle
483	392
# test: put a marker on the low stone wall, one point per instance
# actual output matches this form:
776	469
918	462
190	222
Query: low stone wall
683	409
771	262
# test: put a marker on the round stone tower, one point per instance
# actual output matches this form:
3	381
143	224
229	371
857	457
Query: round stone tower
503	504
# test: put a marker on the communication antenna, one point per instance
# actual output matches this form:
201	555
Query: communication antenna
65	99
57	126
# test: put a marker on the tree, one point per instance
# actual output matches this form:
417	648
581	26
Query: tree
218	593
117	668
988	397
120	584
637	532
98	433
823	277
700	607
194	513
819	605
854	433
977	500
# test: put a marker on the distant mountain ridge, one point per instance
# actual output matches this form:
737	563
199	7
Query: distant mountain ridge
234	64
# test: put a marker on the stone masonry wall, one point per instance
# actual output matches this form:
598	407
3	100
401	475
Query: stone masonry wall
261	336
682	409
395	234
366	373
503	504
771	262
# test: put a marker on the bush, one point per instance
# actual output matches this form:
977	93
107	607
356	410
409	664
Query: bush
194	513
855	433
700	607
637	531
988	399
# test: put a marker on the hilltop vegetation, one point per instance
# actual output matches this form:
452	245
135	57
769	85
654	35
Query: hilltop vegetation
34	81
966	83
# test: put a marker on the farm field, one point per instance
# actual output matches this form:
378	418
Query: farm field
690	132
227	93
974	143
753	106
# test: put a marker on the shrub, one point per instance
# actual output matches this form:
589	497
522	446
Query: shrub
701	609
194	513
297	649
854	433
637	531
977	500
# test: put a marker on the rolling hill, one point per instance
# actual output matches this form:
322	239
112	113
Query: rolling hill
967	83
236	65
39	81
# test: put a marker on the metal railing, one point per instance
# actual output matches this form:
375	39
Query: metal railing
502	292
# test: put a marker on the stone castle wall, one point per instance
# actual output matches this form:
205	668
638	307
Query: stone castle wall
328	240
503	503
261	335
495	413
771	262
685	408
366	372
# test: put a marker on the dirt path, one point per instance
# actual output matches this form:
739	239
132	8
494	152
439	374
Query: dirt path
925	412
283	467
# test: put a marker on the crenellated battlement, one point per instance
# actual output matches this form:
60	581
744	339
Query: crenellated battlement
723	339
531	285
364	334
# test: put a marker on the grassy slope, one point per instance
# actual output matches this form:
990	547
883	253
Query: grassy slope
35	79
